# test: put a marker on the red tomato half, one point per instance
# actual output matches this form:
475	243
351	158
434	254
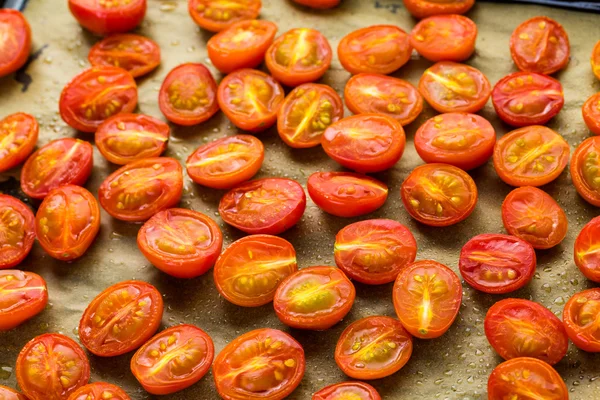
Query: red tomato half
270	206
18	231
579	316
587	256
23	295
527	98
347	390
591	113
595	60
18	136
136	54
173	360
51	367
494	263
217	15
427	8
188	95
138	190
15	41
346	194
99	391
58	163
522	328
261	364
106	17
121	318
7	393
444	38
585	170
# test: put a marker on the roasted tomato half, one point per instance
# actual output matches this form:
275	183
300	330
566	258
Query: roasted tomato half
23	295
439	194
15	41
251	268
580	317
444	38
7	393
51	367
17	231
99	391
531	156
18	136
136	54
261	364
347	390
587	254
427	8
226	162
250	99
270	206
138	190
595	60
106	17
527	98
305	114
591	113
585	170
377	49
217	15
58	163
523	328
173	360
494	263
121	318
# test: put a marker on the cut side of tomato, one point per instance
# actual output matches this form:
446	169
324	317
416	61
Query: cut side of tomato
7	393
104	17
585	170
23	295
217	15
595	60
17	231
591	113
579	316
587	244
444	38
348	390
426	8
15	41
99	391
136	54
18	137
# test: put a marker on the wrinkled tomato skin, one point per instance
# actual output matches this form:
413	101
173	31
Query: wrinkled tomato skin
523	328
99	391
16	218
346	194
136	54
131	303
60	162
579	316
7	393
180	346
23	295
586	258
350	390
584	170
18	137
444	38
486	258
115	18
595	60
201	12
591	113
426	8
18	28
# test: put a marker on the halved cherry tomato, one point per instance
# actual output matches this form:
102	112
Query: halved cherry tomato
261	364
587	256
270	206
591	113
427	8
314	298
319	4
58	163
347	390
242	45
452	87
585	170
595	60
444	38
378	49
346	194
217	15
173	360
51	367
305	114
99	391
540	45
579	316
136	54
365	142
373	348
439	194
138	190
188	95
15	41
18	136
7	393
427	297
106	17
251	268
531	156
121	318
67	222
526	378
250	99
527	98
523	328
374	93
18	231
226	162
460	139
495	263
23	295
534	216
182	243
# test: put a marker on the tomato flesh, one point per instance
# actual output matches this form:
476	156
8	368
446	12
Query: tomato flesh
585	171
426	8
99	391
595	60
136	54
15	41
587	256
444	38
591	113
23	295
348	390
17	231
104	17
579	316
18	136
217	15
7	393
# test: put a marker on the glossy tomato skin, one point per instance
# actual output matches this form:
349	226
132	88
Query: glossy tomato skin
249	271
496	264
138	190
579	316
426	8
534	216
173	360
527	98
239	375
377	49
121	318
584	170
523	328
540	45
60	162
346	194
23	295
182	243
444	38
99	391
18	136
350	390
216	16
7	393
264	206
226	162
595	60
439	194
514	159
51	367
314	298
136	54
591	113
586	258
18	35
242	45
18	227
105	18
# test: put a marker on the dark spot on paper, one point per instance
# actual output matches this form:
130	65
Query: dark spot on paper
22	76
12	187
393	8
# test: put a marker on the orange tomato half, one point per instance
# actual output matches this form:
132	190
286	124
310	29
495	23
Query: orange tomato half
585	170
